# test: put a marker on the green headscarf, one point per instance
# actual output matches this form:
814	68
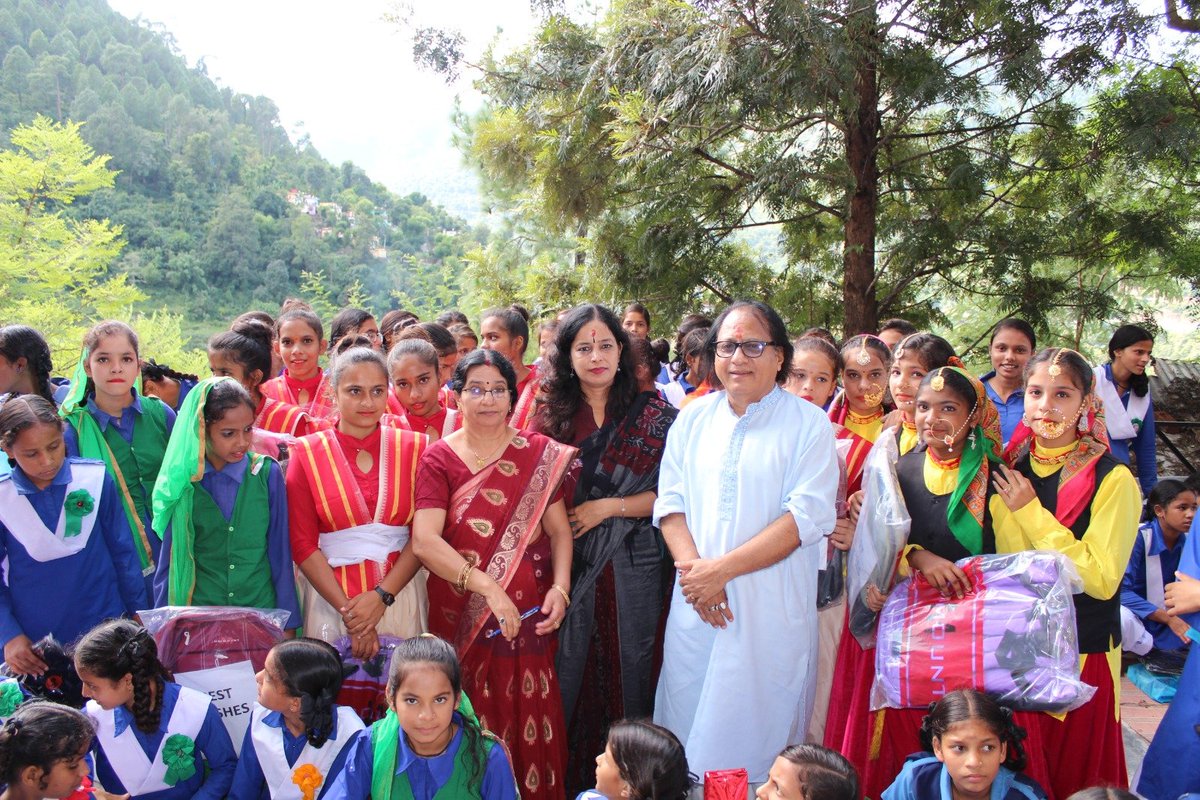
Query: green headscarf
182	466
92	445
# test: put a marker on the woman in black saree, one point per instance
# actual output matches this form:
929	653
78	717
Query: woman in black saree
610	640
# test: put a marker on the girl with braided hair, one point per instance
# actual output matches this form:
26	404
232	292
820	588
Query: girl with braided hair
155	739
43	749
972	750
24	368
298	737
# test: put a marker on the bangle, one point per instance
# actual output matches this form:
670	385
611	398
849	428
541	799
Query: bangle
563	592
622	505
464	575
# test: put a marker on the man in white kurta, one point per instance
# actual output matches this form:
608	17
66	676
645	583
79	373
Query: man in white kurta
738	695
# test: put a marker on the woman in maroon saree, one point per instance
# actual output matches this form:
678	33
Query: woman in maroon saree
492	528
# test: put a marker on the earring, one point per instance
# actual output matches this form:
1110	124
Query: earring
971	439
1025	421
1083	423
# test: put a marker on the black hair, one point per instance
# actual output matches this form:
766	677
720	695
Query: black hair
441	338
254	316
822	773
818	344
41	734
651	760
293	304
346	320
1103	793
692	346
60	682
359	351
514	320
688	324
644	355
23	412
451	317
964	705
312	671
662	349
560	396
1075	364
930	349
423	350
429	649
304	315
223	396
479	358
818	332
1123	337
955	382
461	330
392	323
522	310
1018	325
152	371
1162	494
855	344
901	326
121	647
770	320
248	343
22	341
637	308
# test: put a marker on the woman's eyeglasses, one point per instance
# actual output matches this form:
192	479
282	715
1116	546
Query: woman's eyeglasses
478	392
751	347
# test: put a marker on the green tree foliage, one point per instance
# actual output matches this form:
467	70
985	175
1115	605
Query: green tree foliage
902	151
209	190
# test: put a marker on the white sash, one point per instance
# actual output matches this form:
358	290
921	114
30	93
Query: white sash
125	754
1155	591
268	744
1122	423
23	522
371	542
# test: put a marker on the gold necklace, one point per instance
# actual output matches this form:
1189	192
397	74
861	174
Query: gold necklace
860	419
480	461
1050	461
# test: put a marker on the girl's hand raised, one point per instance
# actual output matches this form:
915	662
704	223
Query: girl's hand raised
1015	489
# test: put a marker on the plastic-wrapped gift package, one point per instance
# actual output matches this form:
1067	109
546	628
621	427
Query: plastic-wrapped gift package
879	536
1012	636
365	689
217	650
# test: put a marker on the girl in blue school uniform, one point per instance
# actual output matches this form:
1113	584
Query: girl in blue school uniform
110	420
155	740
430	743
298	737
71	562
224	536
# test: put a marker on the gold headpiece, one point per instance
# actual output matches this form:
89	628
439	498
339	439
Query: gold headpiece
937	382
863	358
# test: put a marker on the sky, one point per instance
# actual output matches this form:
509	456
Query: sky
343	75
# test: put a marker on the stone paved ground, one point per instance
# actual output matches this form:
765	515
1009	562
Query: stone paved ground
1139	717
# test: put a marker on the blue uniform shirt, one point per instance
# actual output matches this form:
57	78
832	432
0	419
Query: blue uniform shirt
1133	585
223	485
69	596
248	780
212	745
1010	410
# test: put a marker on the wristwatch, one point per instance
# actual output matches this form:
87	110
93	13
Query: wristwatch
388	597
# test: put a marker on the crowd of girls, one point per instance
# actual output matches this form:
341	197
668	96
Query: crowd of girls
280	482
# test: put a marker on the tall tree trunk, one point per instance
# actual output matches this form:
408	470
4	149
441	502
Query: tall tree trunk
862	137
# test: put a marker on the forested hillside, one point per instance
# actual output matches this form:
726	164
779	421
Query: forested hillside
219	210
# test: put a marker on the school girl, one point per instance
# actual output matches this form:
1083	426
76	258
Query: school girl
110	420
298	737
430	743
24	368
1170	509
155	739
225	536
300	341
414	371
1123	388
350	502
1012	344
972	750
641	759
244	354
63	531
1068	493
43	752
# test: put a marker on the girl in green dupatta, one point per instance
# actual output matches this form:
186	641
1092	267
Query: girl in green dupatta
110	420
429	745
221	510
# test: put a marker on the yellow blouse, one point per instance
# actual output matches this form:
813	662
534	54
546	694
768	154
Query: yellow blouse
868	430
908	438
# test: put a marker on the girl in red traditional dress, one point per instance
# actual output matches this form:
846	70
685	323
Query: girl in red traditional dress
492	529
414	370
300	339
350	501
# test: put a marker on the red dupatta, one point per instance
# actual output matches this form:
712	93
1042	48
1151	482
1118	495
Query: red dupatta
856	456
508	498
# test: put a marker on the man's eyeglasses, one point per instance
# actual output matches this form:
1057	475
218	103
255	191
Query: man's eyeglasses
478	392
751	347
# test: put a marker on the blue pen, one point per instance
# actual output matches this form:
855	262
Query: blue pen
497	631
